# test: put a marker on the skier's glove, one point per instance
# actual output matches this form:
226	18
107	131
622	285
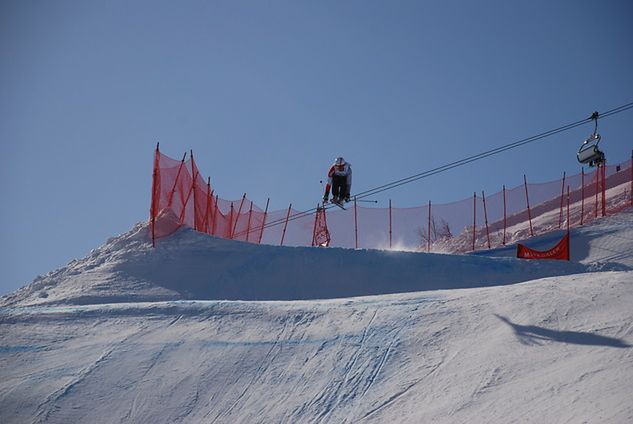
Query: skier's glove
325	197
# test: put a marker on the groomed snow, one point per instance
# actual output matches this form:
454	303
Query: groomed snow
134	334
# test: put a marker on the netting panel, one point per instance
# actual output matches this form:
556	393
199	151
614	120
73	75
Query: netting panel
182	196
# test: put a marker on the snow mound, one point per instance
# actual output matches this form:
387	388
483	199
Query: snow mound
113	338
192	265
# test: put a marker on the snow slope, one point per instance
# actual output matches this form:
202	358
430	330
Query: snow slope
608	241
117	336
192	265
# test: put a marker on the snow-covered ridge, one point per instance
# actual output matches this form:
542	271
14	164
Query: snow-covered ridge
192	265
135	334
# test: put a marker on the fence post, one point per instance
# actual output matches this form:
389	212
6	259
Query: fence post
562	196
216	209
505	219
527	200
582	195
237	218
603	171
184	208
595	212
568	209
173	189
155	193
283	234
483	197
474	217
261	233
231	222
194	177
248	226
390	227
208	205
211	213
428	237
355	222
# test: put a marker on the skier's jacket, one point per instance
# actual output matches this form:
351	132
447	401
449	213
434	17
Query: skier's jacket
344	171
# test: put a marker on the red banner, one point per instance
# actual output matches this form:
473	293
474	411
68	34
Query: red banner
560	251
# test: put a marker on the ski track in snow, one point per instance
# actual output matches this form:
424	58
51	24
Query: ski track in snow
110	338
363	360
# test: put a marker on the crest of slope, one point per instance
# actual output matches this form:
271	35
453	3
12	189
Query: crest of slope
192	265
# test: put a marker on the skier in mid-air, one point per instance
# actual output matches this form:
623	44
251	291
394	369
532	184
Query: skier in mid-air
340	180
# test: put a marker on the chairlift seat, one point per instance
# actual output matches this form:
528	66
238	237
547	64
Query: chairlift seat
589	153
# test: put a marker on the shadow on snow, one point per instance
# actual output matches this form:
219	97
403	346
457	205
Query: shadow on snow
531	334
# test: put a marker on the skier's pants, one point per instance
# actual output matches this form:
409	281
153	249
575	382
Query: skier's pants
339	186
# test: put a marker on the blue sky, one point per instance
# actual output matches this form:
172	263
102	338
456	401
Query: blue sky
268	93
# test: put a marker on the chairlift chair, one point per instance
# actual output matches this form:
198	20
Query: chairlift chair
589	152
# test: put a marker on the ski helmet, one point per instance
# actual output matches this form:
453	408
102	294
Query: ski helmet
339	161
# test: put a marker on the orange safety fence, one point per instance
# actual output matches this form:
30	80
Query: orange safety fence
181	196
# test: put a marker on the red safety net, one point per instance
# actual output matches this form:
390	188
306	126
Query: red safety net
181	196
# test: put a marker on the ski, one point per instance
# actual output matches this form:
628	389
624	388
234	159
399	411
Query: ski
340	205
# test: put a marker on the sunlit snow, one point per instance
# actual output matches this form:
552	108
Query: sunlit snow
208	330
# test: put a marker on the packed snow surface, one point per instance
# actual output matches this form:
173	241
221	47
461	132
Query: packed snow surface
208	330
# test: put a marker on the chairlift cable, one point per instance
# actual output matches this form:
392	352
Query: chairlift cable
451	165
488	153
